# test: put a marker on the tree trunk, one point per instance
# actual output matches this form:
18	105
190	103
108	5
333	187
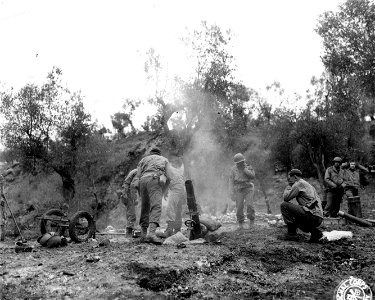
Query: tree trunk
68	184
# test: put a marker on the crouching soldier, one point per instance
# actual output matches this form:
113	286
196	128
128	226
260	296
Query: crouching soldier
130	194
307	215
242	189
153	177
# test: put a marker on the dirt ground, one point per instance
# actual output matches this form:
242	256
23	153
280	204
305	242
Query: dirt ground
242	264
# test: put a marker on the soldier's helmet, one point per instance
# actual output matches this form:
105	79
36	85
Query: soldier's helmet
337	159
238	158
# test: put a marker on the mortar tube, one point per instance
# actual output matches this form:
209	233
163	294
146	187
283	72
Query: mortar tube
354	219
193	209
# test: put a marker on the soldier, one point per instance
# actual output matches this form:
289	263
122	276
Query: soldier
242	189
154	175
334	179
352	180
176	199
307	215
130	194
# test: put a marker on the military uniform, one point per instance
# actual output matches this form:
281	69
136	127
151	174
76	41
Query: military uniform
308	214
152	173
242	192
176	199
333	178
130	190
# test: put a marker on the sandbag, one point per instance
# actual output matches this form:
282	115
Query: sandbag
176	239
210	223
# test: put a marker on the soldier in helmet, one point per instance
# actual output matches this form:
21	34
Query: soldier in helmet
154	176
334	180
242	189
307	215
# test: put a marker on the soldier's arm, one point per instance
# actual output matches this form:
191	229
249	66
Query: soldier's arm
328	181
249	171
290	192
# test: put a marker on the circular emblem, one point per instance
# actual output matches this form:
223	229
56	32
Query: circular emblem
352	289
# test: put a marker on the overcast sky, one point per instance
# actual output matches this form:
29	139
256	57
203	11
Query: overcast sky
99	45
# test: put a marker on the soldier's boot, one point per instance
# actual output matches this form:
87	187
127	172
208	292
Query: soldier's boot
169	230
240	226
291	235
152	237
316	236
143	237
129	232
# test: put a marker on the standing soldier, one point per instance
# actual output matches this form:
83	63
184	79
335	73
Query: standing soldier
129	198
153	177
334	179
176	199
242	189
352	181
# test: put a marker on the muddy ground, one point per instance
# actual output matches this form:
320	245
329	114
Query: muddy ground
246	264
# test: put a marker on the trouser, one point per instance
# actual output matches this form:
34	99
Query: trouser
244	200
351	191
176	203
296	217
151	200
334	198
131	206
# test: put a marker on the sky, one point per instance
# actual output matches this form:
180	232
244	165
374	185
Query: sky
100	45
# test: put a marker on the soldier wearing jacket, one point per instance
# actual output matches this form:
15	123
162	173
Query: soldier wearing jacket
307	215
352	181
154	175
242	189
129	197
176	200
333	178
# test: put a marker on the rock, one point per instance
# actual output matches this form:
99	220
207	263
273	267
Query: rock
93	258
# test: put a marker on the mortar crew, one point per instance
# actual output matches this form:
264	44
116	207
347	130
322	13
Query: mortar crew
351	177
154	175
333	178
242	189
176	199
129	197
307	215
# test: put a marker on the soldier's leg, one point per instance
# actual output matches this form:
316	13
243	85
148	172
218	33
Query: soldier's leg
292	215
156	197
328	207
180	204
171	206
336	202
172	202
240	199
249	202
145	203
130	209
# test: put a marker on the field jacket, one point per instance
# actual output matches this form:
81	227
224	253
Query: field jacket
306	196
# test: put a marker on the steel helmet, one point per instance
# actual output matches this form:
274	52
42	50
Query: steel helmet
54	241
337	159
44	238
238	158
